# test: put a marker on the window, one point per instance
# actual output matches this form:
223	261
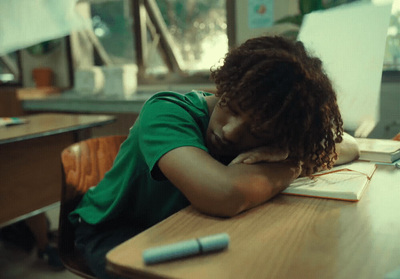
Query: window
392	52
179	40
169	40
112	26
198	29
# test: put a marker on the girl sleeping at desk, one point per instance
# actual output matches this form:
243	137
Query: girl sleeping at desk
274	117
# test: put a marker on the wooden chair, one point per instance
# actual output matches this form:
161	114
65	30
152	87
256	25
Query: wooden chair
83	166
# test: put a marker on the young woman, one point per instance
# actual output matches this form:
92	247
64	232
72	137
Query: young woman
274	117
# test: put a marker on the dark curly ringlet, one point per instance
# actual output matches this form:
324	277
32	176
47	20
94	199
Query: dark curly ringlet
289	96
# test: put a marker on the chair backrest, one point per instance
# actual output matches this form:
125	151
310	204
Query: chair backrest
84	164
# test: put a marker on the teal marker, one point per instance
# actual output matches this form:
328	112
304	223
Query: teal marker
212	243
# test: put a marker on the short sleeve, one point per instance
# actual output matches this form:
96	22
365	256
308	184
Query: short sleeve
168	123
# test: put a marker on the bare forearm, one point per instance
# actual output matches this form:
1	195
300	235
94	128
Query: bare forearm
246	186
216	189
257	183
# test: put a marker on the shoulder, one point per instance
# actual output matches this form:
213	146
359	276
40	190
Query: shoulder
167	106
191	100
168	116
192	96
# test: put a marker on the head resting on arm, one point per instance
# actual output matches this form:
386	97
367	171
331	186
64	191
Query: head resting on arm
289	95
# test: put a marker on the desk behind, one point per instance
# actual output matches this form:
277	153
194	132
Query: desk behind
30	161
288	237
48	124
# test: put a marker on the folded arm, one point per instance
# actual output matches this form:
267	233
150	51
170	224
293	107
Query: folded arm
216	189
347	151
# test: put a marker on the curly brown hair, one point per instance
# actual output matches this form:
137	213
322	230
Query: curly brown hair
289	96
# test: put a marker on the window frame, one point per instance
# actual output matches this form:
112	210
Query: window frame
143	10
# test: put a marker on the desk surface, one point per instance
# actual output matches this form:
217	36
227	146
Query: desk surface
288	237
30	161
46	124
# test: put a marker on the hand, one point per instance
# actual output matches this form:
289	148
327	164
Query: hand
347	150
261	154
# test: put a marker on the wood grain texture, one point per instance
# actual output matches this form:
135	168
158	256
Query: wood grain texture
84	164
288	237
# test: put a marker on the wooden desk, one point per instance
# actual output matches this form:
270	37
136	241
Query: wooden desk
288	237
30	162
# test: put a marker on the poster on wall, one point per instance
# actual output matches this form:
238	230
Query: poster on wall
260	13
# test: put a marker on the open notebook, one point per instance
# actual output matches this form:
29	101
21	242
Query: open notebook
344	182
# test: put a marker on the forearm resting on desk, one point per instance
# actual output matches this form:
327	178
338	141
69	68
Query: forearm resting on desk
216	189
257	183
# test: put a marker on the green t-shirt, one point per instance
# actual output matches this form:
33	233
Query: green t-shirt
134	190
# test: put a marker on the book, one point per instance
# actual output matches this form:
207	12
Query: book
8	121
344	182
379	150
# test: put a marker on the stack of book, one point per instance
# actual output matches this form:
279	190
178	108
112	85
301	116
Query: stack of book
379	150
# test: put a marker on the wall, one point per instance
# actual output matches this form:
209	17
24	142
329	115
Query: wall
120	127
389	123
281	9
57	60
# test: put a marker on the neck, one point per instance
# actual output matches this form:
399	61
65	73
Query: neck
211	102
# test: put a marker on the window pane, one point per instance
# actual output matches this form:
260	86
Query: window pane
392	53
199	30
112	25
